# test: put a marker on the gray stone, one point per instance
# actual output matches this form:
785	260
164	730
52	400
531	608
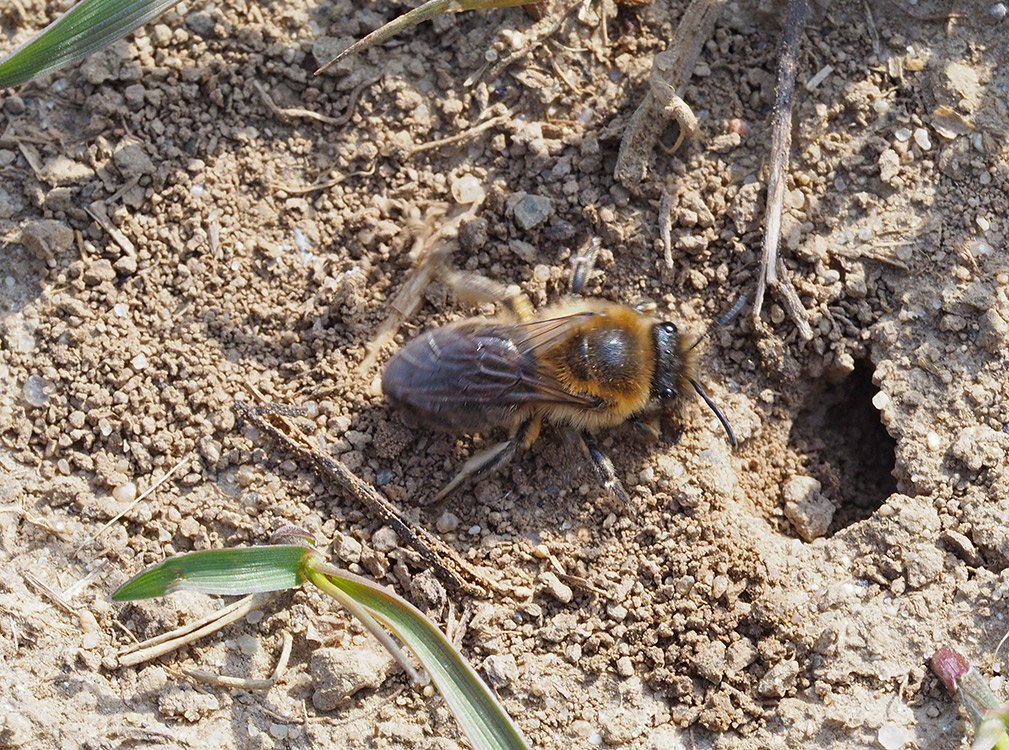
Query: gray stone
532	210
338	674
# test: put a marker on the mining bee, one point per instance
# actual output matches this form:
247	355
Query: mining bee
585	363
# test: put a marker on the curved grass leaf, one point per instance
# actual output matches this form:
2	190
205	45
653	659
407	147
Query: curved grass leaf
87	27
279	566
246	570
482	717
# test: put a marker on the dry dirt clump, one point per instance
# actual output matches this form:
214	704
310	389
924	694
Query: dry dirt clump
173	234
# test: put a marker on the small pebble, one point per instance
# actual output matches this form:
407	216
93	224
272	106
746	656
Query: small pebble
139	362
903	135
125	493
533	210
625	667
245	475
881	400
473	531
933	441
91	640
121	309
447	522
385	539
467	189
278	731
882	107
557	588
998	11
983	224
36	391
892	737
922	139
248	644
255	616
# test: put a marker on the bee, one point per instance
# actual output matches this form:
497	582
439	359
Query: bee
587	364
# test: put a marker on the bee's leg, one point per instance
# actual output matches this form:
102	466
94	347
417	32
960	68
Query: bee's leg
582	265
604	467
473	288
647	428
488	461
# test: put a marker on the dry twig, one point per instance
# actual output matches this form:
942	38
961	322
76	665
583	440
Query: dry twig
671	71
247	683
167	642
772	270
444	561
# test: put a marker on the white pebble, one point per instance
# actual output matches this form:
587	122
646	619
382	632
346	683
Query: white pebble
91	640
903	135
998	11
892	737
474	530
197	190
36	391
278	731
301	242
467	189
515	38
933	441
882	107
254	616
121	309
447	522
881	400
139	362
248	645
922	139
125	493
983	223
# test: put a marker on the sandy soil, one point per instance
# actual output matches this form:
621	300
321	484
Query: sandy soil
169	239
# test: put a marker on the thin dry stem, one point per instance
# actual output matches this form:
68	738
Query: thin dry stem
671	72
781	138
140	498
444	561
167	642
247	683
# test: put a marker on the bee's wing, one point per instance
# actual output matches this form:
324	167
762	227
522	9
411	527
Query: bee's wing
473	366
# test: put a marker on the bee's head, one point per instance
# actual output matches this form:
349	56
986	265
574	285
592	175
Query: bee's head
674	369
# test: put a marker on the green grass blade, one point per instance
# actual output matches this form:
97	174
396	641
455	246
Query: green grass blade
87	27
481	716
421	13
245	570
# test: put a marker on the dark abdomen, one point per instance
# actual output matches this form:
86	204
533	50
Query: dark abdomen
462	378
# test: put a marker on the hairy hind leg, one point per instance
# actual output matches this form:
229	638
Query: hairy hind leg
476	289
488	461
604	467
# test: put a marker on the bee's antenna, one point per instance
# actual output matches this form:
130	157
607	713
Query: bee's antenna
712	405
727	318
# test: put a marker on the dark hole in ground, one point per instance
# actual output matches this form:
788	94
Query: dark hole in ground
839	436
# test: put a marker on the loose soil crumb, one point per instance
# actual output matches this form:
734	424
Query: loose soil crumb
172	237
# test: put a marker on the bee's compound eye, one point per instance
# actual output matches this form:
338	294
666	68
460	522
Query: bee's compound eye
668	393
668	327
